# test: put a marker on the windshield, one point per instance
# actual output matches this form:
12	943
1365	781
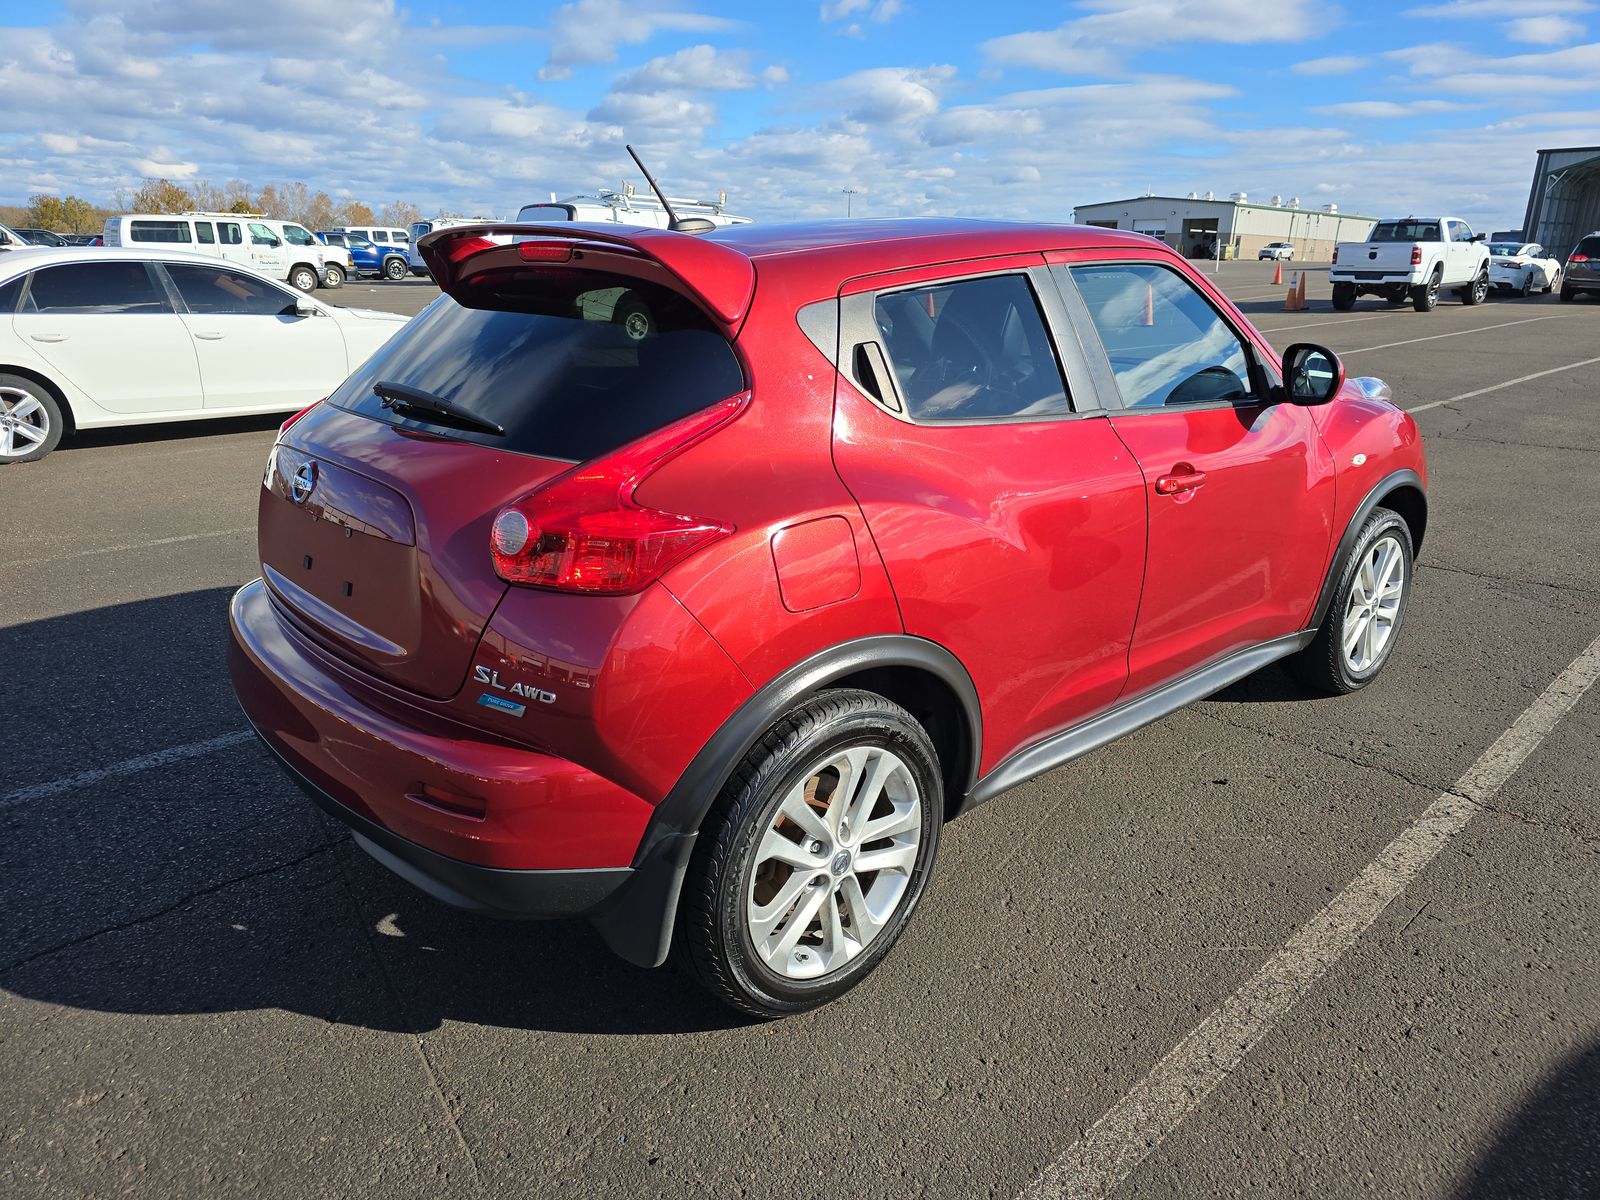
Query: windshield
1405	231
572	363
1504	249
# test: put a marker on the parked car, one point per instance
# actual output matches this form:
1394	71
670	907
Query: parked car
1582	272
1521	267
596	625
420	229
1412	259
1276	250
383	235
10	239
130	337
84	239
368	259
626	208
41	237
283	250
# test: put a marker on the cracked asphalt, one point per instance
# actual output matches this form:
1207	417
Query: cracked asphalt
206	989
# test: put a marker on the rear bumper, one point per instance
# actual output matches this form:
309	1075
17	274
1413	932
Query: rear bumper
1372	279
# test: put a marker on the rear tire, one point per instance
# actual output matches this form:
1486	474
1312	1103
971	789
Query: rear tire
31	420
777	915
1478	291
1425	296
1362	625
1344	296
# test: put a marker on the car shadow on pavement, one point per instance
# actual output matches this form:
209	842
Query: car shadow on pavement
169	431
207	883
1549	1148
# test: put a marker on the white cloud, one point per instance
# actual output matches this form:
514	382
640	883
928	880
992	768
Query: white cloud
885	95
1544	31
879	11
1334	64
699	67
587	32
1386	109
1474	9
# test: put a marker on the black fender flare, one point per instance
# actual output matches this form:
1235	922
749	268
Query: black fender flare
637	922
1376	496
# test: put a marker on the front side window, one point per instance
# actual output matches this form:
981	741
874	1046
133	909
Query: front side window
229	234
333	239
96	288
976	348
295	235
1167	345
169	232
219	291
421	229
260	235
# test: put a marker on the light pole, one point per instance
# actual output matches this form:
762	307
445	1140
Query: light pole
849	195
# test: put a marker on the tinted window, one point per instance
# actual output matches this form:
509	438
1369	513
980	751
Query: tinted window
260	235
106	287
204	234
1589	246
379	235
972	349
1405	231
296	236
207	289
1167	345
229	234
159	231
571	363
333	239
10	293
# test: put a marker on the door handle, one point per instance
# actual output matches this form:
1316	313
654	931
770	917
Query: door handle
48	337
1184	478
210	335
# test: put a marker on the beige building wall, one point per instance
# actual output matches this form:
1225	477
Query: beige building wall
1185	224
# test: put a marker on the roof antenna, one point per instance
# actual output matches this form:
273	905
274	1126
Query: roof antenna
674	221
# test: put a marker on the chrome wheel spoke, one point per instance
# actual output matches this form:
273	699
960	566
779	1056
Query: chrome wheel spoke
805	912
33	434
765	919
903	819
802	814
26	408
896	857
1376	594
777	845
1352	635
863	921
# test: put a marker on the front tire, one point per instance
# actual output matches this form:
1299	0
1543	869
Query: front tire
303	278
814	857
395	269
333	277
1362	625
31	421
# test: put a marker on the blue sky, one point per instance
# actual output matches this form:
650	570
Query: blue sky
997	108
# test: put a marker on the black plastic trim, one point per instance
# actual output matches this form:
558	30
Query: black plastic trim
1395	479
1073	743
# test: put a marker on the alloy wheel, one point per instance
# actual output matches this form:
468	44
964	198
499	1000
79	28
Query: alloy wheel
1374	605
24	423
834	865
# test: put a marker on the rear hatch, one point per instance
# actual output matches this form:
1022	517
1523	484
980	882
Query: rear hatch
376	511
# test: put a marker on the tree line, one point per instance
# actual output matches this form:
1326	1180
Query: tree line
284	201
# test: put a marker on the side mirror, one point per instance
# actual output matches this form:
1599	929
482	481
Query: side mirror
1311	374
303	307
1480	237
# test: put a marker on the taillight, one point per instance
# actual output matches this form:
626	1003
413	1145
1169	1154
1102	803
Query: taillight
284	428
584	532
1578	258
1416	256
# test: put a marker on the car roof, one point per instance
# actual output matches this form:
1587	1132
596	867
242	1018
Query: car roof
29	258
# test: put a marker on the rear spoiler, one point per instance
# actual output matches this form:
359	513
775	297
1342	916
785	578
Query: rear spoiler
717	277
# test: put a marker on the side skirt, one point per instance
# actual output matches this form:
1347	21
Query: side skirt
1062	748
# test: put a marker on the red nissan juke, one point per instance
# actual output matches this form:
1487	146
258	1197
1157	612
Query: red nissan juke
689	584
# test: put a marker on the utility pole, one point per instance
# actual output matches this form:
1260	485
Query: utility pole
849	195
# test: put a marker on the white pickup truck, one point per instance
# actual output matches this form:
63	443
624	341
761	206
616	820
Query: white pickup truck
1412	258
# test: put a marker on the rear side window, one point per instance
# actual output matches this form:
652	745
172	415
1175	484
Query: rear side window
571	363
11	294
229	234
973	349
1166	344
169	232
204	234
379	235
106	287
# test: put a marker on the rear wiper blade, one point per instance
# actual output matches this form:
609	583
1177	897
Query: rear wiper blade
398	396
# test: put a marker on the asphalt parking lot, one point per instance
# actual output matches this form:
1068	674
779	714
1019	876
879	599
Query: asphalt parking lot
206	989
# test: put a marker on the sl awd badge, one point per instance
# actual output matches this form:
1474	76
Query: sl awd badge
524	691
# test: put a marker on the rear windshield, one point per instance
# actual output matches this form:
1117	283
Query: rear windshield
1405	231
1589	246
571	363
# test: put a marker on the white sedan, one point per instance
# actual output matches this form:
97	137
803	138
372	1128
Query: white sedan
1521	267
132	337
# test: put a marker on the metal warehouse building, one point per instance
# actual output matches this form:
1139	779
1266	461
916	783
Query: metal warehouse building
1190	224
1564	203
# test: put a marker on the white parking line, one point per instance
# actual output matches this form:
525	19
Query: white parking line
167	541
1458	333
1314	324
128	766
1484	391
1114	1146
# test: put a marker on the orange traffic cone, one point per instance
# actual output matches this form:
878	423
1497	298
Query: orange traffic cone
1149	304
1288	300
1277	275
1300	294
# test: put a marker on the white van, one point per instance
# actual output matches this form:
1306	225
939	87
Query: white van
420	229
281	249
382	235
625	208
